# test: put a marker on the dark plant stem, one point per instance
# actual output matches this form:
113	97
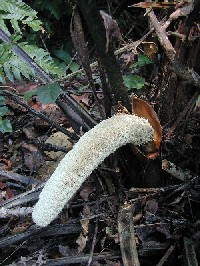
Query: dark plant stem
98	33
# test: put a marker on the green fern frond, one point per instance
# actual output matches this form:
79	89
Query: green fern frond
43	59
12	67
17	11
5	125
54	8
3	26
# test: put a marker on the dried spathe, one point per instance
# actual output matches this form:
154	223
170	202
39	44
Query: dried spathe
92	148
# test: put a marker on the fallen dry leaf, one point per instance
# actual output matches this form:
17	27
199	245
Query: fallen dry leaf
20	224
86	210
35	103
29	147
81	241
5	193
33	159
151	206
83	99
54	113
29	132
5	164
86	191
21	87
85	224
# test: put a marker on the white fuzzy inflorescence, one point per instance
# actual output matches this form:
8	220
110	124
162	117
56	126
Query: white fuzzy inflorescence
92	148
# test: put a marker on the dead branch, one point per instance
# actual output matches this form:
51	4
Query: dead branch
36	232
27	180
162	36
175	171
23	198
82	259
127	236
166	256
182	11
23	211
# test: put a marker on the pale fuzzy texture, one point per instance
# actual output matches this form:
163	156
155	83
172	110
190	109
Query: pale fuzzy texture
92	148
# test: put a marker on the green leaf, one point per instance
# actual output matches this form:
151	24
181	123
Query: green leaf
35	24
3	26
62	55
49	93
2	79
14	38
16	72
43	59
74	67
3	110
133	82
5	125
29	94
2	100
198	101
16	11
8	72
55	9
15	66
143	60
5	56
15	25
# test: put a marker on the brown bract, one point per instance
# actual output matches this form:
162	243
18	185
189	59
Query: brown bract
143	109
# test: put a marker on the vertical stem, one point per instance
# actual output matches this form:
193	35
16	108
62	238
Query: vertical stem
98	33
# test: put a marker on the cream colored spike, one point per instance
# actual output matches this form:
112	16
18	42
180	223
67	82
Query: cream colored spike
92	148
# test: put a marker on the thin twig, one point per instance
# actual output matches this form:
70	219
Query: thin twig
166	256
93	243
